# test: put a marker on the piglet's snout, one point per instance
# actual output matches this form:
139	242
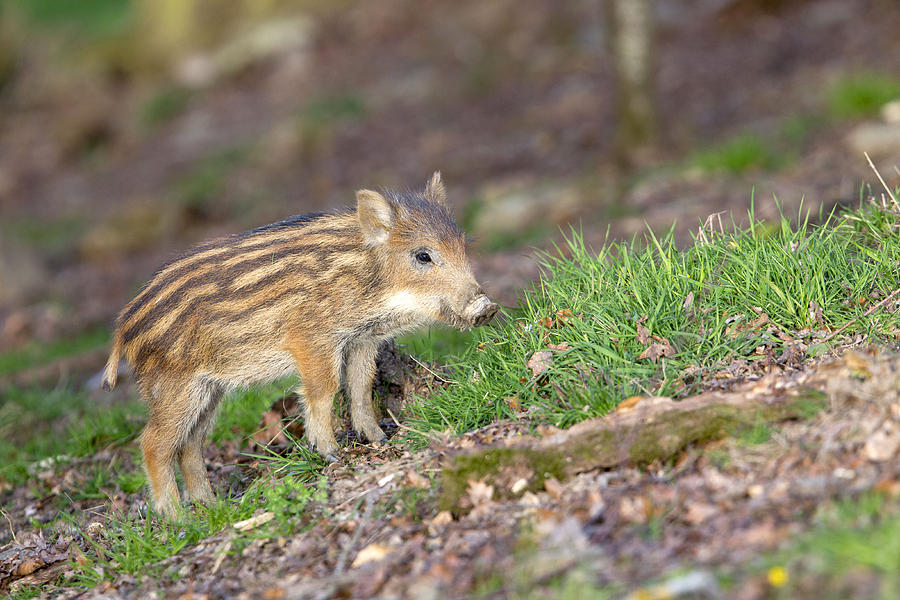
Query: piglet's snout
480	311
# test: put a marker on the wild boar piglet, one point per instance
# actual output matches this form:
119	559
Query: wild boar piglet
313	294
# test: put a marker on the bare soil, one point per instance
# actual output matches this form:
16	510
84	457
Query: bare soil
713	507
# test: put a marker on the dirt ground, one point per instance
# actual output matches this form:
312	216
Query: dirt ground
718	507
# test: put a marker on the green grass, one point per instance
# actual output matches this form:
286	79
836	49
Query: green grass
89	18
760	433
200	190
241	413
317	119
56	237
24	592
165	104
38	353
742	154
330	109
853	541
44	430
861	95
607	297
59	425
137	544
436	343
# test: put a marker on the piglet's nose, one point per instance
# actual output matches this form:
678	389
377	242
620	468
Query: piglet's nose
482	310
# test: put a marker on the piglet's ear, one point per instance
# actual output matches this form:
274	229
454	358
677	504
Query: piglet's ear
376	216
435	191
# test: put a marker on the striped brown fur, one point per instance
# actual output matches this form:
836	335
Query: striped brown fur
313	294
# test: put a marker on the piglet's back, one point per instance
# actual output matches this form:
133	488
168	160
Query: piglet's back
238	291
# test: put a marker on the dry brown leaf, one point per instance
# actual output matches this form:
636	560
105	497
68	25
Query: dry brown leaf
757	324
29	566
628	404
656	350
273	593
270	431
479	492
553	487
445	517
546	323
858	365
279	422
883	444
634	509
561	347
633	402
888	486
540	361
439	522
563	316
643	335
413	479
688	301
698	512
815	313
371	553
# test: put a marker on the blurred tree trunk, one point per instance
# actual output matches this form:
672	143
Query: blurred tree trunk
631	28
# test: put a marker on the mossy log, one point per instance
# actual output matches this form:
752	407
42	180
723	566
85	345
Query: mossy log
650	432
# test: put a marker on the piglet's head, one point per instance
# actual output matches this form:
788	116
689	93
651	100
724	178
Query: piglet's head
423	254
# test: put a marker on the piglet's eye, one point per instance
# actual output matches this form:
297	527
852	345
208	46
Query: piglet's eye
423	257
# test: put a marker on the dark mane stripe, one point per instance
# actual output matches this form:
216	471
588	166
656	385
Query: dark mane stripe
292	221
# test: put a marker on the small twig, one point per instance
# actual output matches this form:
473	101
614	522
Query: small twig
11	530
886	188
436	376
872	309
353	499
341	565
406	427
221	552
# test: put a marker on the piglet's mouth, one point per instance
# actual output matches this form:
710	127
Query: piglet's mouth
480	311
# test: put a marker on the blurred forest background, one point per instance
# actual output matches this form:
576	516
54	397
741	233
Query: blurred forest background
130	129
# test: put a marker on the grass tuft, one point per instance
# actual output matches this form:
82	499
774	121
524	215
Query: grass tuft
40	429
736	294
744	153
855	542
88	18
862	95
37	353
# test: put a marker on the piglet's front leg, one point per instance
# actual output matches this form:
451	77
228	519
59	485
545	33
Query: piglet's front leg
319	377
360	370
